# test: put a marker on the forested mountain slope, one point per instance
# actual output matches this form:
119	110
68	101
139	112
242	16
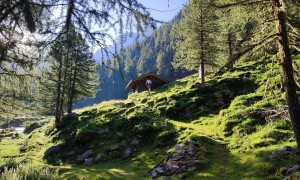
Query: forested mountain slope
155	53
238	119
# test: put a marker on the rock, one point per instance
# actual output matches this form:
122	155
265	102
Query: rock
194	163
85	155
154	174
24	146
32	127
15	136
159	170
88	161
197	85
115	147
184	159
66	120
287	148
71	153
40	142
292	170
128	152
135	142
72	115
129	104
52	150
103	131
123	142
85	138
179	147
98	158
183	176
247	75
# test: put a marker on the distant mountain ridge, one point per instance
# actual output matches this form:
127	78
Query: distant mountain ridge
129	39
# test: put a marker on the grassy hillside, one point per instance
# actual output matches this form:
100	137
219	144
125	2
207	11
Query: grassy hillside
239	119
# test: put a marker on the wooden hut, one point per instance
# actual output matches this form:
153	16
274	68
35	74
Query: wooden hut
139	84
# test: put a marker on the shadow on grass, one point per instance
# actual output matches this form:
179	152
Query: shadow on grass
210	99
254	164
133	168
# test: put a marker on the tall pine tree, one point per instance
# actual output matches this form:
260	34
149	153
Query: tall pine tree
71	77
195	34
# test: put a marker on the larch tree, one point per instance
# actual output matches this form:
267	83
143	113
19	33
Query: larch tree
237	29
18	56
279	27
71	77
195	45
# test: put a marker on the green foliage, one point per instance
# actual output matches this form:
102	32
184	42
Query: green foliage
195	36
29	171
72	76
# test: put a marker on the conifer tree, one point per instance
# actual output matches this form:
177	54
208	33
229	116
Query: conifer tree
195	34
278	27
72	76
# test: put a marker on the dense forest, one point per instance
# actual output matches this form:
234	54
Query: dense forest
230	111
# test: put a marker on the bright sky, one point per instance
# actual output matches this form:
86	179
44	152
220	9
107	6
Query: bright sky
163	10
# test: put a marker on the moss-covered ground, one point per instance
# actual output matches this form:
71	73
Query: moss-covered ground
233	117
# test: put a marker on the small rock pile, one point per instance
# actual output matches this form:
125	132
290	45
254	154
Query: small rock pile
184	159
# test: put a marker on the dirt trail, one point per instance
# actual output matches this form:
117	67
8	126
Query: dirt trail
220	163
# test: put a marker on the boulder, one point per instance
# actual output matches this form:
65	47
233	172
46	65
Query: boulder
128	152
71	153
85	155
179	147
98	158
135	142
197	85
159	170
52	150
103	131
40	142
32	127
88	161
292	170
66	120
86	137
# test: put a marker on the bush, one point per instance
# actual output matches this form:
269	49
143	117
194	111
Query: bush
28	172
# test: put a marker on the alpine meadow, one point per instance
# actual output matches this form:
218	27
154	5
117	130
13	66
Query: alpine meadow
133	89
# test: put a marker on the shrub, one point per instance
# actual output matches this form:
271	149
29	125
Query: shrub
28	172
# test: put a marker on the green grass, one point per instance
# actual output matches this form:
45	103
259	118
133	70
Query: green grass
227	117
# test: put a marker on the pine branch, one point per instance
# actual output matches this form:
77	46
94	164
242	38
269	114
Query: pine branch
28	16
5	14
241	3
248	49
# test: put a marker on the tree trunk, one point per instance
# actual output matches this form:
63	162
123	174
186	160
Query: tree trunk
287	68
201	70
58	93
230	51
72	88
